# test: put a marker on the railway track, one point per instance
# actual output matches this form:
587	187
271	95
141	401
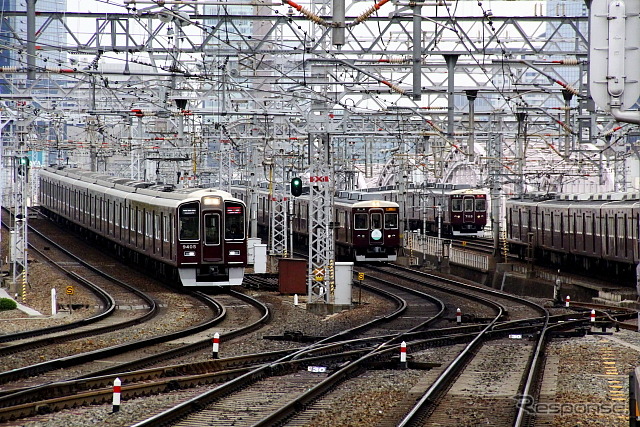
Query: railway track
28	384
349	357
379	341
109	292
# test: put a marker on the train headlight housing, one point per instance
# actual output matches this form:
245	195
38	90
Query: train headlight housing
189	253
212	201
234	252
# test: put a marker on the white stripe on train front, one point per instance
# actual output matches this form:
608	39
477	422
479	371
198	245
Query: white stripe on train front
188	277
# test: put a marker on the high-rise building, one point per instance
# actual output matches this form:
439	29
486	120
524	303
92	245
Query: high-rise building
13	35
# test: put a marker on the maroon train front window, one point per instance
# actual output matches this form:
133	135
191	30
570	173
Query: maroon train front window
481	205
468	204
390	220
234	222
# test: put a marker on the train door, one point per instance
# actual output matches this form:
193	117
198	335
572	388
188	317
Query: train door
468	203
376	236
211	250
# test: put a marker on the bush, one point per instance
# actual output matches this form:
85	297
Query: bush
7	304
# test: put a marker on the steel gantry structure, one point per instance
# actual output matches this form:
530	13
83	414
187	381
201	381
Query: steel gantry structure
169	90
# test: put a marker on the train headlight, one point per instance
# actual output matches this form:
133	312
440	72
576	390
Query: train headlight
189	253
234	252
212	201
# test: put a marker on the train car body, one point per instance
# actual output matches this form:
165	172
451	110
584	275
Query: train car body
598	231
374	230
194	235
448	210
463	212
364	228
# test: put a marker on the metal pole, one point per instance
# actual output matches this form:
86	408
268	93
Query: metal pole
451	65
31	39
520	153
567	95
417	52
471	97
337	32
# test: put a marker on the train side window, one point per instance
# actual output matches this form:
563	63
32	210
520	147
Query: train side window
593	232
468	204
156	226
456	205
376	221
212	229
165	228
188	221
625	234
390	220
148	226
360	221
172	231
562	230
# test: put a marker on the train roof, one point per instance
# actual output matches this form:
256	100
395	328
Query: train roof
375	203
349	197
469	191
166	191
579	197
621	200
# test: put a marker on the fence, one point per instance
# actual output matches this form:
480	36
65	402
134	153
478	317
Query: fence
435	246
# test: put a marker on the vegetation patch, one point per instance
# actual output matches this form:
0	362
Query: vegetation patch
7	304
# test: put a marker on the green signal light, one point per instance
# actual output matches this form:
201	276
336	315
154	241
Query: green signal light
296	187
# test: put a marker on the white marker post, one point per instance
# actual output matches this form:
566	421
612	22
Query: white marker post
216	345
54	303
116	394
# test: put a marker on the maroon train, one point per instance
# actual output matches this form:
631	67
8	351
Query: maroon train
365	228
193	235
456	209
596	232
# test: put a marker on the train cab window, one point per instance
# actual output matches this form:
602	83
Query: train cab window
468	204
376	221
481	205
361	221
390	220
456	205
188	221
234	222
212	229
